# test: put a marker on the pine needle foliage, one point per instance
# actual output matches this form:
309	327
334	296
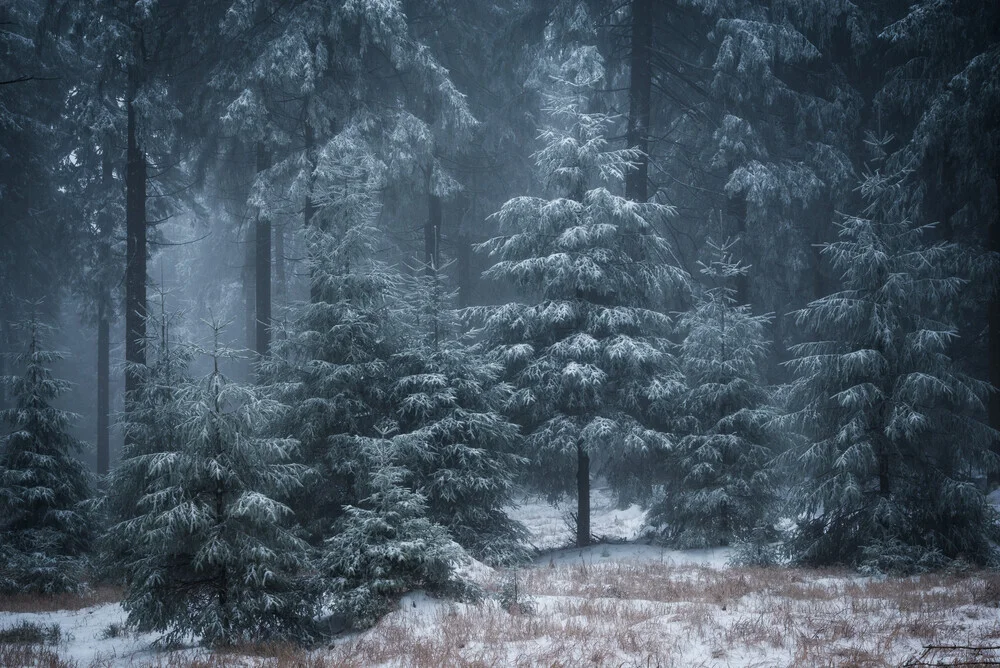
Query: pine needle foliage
458	446
330	363
46	522
586	351
216	556
891	442
385	545
720	485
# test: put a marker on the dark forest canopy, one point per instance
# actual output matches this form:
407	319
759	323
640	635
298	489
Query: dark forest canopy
736	259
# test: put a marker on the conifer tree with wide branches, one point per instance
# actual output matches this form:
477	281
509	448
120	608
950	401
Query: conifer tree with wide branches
586	350
890	442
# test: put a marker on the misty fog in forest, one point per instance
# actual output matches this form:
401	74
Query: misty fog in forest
299	297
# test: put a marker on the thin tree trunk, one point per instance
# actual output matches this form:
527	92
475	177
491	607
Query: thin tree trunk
104	322
248	273
640	85
5	348
737	209
466	275
432	233
262	269
280	277
582	496
135	229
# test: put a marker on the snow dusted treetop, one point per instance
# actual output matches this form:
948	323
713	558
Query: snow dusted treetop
892	440
586	352
457	447
329	365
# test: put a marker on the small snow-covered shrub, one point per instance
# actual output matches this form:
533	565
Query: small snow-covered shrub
386	545
754	554
514	598
894	557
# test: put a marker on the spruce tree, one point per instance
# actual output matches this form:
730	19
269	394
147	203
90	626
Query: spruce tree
586	351
385	545
215	553
720	485
329	366
891	442
152	428
457	445
46	523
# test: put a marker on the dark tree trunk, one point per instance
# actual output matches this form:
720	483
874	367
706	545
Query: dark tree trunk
280	277
466	275
5	349
582	496
104	323
262	268
308	208
135	231
994	328
640	85
249	312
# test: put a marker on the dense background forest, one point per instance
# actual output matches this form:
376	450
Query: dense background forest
336	281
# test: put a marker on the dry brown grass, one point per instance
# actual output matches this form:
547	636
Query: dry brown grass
98	595
650	614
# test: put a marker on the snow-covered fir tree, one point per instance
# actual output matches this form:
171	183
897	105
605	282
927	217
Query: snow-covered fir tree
330	362
891	442
457	445
214	553
151	427
385	545
719	485
586	350
46	522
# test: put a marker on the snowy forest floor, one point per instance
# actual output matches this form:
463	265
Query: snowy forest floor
620	604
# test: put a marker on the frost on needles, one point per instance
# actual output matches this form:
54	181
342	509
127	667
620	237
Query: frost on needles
890	447
46	523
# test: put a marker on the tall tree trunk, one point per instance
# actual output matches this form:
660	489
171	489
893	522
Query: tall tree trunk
248	280
582	496
432	254
104	322
263	267
308	208
5	349
640	85
466	275
135	228
994	327
280	277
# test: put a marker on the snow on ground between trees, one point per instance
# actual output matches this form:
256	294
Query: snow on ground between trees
611	604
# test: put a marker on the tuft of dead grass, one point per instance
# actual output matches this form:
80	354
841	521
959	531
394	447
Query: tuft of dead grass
99	595
651	614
